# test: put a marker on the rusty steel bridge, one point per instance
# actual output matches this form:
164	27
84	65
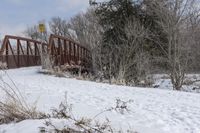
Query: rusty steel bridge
19	52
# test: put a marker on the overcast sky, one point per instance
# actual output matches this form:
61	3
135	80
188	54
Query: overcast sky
16	15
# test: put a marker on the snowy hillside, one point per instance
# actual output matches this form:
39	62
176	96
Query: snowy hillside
152	110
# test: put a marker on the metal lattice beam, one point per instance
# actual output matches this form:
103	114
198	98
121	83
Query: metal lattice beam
24	52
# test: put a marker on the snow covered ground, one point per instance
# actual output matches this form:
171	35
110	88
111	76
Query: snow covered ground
191	82
152	110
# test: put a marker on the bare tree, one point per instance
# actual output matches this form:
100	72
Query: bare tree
33	33
89	34
173	16
193	33
131	59
60	27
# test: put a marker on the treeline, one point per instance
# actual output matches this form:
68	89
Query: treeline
131	39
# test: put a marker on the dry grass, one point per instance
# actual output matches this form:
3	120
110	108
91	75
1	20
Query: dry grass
84	125
56	72
12	111
13	107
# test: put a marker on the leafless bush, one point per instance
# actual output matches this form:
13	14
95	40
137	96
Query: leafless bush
165	77
56	72
149	81
14	107
188	81
83	125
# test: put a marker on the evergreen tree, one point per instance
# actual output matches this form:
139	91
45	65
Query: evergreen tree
114	17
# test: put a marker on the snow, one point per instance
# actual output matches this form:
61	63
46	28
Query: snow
152	110
163	81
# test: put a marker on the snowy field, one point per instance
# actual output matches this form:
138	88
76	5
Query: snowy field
152	110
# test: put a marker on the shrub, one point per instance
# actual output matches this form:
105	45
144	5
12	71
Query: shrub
14	107
83	125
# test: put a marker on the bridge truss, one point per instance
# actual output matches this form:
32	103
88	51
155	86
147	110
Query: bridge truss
19	52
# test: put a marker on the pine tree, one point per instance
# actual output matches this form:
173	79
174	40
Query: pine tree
114	17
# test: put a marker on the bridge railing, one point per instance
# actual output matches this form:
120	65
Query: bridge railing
69	53
20	52
23	52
